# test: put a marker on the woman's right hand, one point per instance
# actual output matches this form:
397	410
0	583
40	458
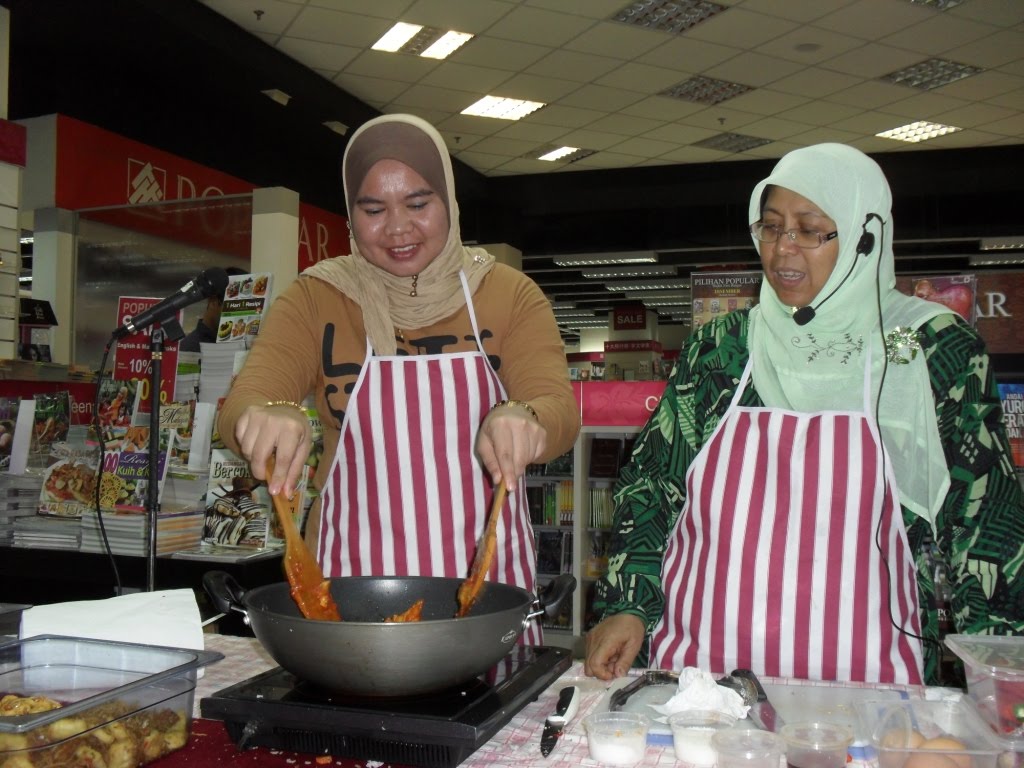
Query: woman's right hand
282	430
613	645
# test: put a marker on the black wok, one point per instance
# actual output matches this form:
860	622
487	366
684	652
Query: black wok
364	656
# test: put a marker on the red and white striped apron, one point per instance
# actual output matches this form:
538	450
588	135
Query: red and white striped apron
773	564
406	494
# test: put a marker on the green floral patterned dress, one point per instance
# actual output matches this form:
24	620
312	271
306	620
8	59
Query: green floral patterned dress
980	527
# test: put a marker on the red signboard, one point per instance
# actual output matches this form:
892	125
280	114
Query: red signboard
13	143
617	403
634	345
629	317
133	358
97	168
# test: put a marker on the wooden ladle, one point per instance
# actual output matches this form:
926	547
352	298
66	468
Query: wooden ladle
470	589
309	589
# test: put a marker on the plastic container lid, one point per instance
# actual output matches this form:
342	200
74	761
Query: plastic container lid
999	656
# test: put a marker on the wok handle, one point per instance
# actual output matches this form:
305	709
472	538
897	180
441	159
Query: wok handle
549	600
225	592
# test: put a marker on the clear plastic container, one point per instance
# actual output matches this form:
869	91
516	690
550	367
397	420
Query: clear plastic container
929	734
816	745
994	668
119	703
748	749
617	738
691	735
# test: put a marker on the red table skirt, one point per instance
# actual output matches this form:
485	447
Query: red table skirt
210	745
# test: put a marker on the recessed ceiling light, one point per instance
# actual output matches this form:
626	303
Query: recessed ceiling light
601	274
931	73
561	314
595	323
705	90
675	16
276	94
939	5
338	127
502	108
557	154
598	259
919	131
1001	243
396	37
731	142
446	44
563	305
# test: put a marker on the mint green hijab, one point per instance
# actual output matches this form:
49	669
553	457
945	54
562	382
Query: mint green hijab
820	366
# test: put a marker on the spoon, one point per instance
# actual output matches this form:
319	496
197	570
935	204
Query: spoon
470	589
309	589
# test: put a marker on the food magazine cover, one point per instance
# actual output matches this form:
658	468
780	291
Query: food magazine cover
1012	396
958	292
718	293
246	300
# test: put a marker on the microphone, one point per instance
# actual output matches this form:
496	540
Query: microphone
209	282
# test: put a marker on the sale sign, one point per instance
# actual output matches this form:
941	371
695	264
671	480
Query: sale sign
133	357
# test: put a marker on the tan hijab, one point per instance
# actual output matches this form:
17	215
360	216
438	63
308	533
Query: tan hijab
383	297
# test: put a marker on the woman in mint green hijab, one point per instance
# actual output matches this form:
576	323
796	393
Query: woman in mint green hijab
779	502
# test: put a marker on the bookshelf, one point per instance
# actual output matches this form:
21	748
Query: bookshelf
571	510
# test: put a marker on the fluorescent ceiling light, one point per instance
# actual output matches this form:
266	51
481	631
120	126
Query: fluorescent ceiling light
562	314
557	154
396	37
27	279
338	127
931	73
646	285
919	131
667	302
674	16
598	259
595	323
502	108
446	45
660	269
939	5
731	142
644	295
993	243
27	240
277	95
705	90
563	305
994	260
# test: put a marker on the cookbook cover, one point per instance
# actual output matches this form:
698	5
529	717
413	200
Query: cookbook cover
245	303
1012	396
238	507
958	292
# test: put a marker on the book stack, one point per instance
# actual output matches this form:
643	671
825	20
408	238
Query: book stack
128	532
19	497
46	532
218	369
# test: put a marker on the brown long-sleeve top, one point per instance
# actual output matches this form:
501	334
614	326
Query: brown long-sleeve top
313	340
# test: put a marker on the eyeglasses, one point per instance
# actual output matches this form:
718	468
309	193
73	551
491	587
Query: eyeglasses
804	238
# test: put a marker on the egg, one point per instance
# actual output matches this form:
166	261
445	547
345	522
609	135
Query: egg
948	744
930	760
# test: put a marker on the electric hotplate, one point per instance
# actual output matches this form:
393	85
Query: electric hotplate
434	730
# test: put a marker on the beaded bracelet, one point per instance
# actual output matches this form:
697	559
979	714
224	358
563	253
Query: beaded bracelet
291	403
516	403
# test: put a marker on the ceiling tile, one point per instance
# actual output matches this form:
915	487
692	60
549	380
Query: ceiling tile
612	38
594	9
495	145
626	125
687	55
820	112
993	51
924	106
533	25
465	77
803	12
693	155
753	69
872	93
822	135
591	139
391	66
869	122
335	27
573	65
646	148
569	117
662	108
865	18
775	128
815	82
497	53
385	9
681	135
437	99
739	28
872	60
481	159
1011	126
640	78
972	115
721	118
600	97
982	86
608	160
938	34
1003	12
274	19
527	131
461	15
809	45
471	125
1014	101
764	101
327	56
536	88
370	89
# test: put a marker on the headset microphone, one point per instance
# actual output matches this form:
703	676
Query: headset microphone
865	245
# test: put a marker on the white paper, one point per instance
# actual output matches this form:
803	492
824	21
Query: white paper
22	437
168	618
699	690
202	431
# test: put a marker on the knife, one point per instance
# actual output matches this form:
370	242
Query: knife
762	713
565	709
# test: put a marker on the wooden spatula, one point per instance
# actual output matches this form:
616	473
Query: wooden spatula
470	589
309	589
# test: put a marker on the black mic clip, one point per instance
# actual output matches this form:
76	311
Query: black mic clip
803	315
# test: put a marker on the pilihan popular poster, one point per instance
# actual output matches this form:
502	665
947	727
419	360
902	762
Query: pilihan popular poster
718	293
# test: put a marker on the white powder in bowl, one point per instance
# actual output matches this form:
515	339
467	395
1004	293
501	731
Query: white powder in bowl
618	751
693	745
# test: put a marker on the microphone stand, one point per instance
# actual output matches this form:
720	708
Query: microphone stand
156	353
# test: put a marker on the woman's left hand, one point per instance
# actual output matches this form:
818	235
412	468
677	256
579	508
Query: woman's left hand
510	439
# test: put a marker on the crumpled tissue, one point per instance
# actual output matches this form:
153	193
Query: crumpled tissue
698	690
167	618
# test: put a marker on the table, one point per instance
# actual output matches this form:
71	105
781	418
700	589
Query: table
517	745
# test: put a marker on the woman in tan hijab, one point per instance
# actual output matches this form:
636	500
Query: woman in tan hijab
436	372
